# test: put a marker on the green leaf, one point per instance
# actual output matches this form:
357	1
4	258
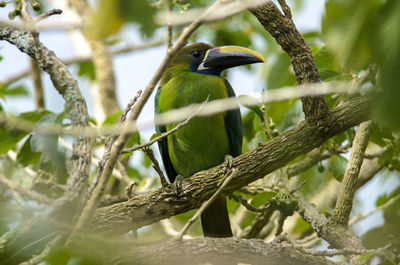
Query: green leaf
146	162
339	138
9	139
253	107
112	119
324	59
386	197
86	69
125	155
381	135
233	37
112	14
133	139
261	198
34	116
337	166
53	159
280	74
14	91
154	135
133	172
301	226
26	156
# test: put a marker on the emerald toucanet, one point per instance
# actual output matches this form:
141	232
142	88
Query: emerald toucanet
192	76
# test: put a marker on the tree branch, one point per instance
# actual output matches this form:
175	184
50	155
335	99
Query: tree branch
153	206
220	251
348	187
283	29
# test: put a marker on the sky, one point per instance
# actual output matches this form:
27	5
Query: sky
134	71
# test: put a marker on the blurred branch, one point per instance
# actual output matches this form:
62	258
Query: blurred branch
221	251
181	114
374	211
29	193
102	61
37	259
207	203
37	84
251	166
225	9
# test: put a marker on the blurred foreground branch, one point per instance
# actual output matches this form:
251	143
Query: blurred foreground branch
217	251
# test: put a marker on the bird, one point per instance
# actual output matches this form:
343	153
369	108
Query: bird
193	76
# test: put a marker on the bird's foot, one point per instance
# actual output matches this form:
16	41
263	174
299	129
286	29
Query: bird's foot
229	163
178	184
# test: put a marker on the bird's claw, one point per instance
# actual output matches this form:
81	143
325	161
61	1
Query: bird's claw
178	184
229	162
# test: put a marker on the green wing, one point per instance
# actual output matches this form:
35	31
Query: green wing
163	144
233	123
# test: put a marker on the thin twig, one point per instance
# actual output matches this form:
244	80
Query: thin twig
377	209
109	143
156	165
246	204
39	258
47	14
30	193
206	204
286	9
169	26
37	84
336	252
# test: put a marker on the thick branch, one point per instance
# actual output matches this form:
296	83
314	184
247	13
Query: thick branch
216	251
283	29
147	208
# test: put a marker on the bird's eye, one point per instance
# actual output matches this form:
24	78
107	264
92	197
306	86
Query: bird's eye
196	54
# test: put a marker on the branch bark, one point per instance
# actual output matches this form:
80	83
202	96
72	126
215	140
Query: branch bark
216	251
344	202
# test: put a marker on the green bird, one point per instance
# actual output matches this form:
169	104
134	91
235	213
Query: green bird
192	77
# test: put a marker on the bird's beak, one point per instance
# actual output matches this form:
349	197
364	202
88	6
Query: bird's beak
229	56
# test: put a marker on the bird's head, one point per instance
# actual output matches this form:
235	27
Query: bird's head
203	58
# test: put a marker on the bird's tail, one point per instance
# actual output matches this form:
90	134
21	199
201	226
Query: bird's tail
215	219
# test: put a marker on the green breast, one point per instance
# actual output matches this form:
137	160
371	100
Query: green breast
203	142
